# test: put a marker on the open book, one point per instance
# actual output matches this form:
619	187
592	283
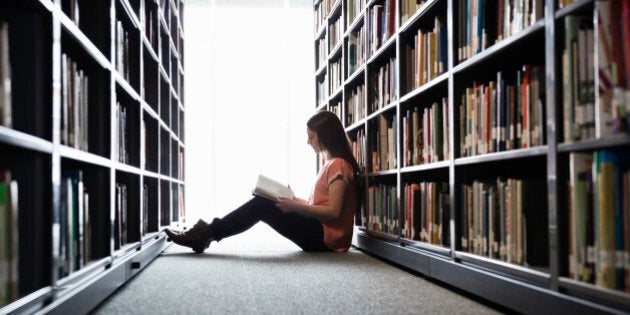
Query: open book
271	189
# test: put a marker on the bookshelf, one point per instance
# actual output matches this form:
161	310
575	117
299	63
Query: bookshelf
92	142
493	137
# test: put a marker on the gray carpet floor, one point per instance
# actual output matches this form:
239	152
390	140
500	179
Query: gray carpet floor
236	281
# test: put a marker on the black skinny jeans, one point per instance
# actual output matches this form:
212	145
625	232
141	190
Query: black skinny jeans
306	232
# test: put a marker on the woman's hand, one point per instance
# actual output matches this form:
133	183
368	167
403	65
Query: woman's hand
289	205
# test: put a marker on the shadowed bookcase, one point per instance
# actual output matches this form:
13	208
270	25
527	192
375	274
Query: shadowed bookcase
493	138
91	146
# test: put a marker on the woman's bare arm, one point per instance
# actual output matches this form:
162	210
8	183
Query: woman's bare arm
336	191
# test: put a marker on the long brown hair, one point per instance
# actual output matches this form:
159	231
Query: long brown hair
332	137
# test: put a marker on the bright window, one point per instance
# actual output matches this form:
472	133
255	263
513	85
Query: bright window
249	84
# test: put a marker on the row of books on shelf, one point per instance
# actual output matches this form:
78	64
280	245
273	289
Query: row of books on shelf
578	79
356	50
384	145
427	57
122	208
335	107
336	75
321	91
425	134
613	66
482	23
150	27
120	150
322	11
408	8
359	149
74	104
180	173
73	228
356	104
6	107
322	51
382	24
74	247
591	111
9	239
380	213
180	204
354	8
145	209
122	51
502	219
505	114
599	218
425	213
335	33
384	86
495	217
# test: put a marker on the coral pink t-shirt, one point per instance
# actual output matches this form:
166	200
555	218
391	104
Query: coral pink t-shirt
337	232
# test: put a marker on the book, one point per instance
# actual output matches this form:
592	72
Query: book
271	189
5	78
9	244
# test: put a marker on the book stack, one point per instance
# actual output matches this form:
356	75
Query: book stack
382	24
358	149
578	71
408	8
322	52
426	212
335	33
599	218
74	105
120	150
145	209
356	105
425	134
9	235
5	78
322	90
121	214
74	223
354	9
505	114
613	45
122	51
383	86
497	216
181	163
180	204
483	23
356	50
382	215
384	146
151	25
427	56
336	76
335	107
321	13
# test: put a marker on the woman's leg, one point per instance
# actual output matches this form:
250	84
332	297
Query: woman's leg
304	231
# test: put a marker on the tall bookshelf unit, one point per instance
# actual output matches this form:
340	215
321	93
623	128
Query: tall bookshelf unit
92	137
480	205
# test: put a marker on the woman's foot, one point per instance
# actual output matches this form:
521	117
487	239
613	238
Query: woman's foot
198	237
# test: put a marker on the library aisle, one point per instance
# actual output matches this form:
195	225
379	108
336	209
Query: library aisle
260	272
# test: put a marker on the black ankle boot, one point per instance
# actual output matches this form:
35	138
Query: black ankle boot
198	237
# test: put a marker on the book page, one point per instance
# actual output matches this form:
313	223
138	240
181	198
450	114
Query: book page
271	189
